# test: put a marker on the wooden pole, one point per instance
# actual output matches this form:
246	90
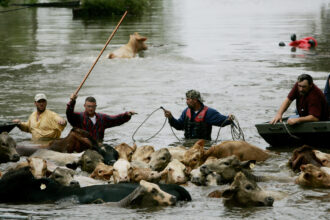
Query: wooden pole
97	59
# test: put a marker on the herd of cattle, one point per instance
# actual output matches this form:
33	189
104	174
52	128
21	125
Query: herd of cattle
75	167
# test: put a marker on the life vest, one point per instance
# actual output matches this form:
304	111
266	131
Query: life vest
303	43
197	127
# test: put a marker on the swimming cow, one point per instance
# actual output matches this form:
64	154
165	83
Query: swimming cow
8	151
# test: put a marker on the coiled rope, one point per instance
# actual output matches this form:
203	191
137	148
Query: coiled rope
236	131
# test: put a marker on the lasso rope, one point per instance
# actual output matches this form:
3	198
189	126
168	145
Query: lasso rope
145	121
236	131
287	130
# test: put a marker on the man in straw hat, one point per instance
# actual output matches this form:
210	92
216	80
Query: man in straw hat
197	119
43	124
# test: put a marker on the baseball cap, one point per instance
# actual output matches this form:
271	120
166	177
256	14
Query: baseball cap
193	94
39	97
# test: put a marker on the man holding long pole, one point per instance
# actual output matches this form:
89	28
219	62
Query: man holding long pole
89	120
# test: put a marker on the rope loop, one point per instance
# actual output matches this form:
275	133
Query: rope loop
145	121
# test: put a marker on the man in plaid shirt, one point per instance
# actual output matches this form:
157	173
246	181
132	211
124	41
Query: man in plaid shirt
89	120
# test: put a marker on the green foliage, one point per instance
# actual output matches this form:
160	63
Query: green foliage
4	3
110	7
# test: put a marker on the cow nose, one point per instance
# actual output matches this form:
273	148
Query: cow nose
15	158
269	201
74	183
173	200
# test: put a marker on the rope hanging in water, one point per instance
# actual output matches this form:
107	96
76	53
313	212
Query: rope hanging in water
287	130
236	131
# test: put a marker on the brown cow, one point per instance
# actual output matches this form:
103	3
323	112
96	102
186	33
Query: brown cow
146	174
194	157
38	166
134	45
175	173
102	172
78	140
323	157
7	148
314	176
125	151
143	153
245	192
243	150
303	155
177	152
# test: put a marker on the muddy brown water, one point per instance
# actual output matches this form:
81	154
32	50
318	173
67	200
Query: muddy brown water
226	49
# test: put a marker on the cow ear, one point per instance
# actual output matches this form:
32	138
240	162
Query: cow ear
188	170
228	193
303	167
141	39
134	147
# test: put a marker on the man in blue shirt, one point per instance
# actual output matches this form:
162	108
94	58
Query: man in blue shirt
197	119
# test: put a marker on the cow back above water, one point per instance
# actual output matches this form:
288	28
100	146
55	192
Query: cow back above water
241	149
78	140
8	151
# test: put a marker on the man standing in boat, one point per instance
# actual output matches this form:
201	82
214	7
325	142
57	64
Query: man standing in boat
45	125
310	102
89	120
197	119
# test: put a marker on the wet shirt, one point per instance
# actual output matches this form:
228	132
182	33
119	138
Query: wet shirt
46	127
103	121
313	103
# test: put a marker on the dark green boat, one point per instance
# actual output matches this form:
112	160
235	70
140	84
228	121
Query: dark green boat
281	134
6	126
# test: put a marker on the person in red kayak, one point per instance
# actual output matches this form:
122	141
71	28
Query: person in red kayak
304	43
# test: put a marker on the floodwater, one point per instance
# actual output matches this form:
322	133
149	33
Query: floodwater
228	50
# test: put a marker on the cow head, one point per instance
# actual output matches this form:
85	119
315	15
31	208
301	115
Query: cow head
149	194
314	176
8	151
245	192
102	172
143	153
193	157
160	159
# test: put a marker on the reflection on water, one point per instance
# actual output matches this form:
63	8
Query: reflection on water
228	50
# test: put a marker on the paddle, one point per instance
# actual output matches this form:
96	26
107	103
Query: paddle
97	59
